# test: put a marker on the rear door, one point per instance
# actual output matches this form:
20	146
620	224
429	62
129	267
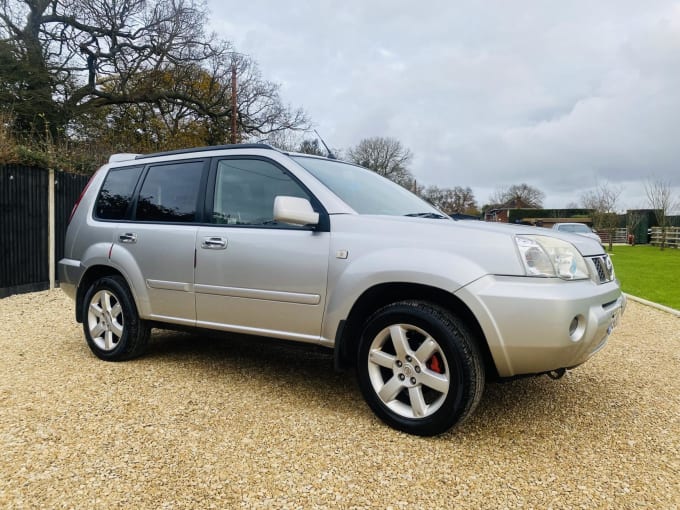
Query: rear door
158	244
252	274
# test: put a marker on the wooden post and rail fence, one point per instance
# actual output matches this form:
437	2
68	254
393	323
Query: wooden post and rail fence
672	237
654	235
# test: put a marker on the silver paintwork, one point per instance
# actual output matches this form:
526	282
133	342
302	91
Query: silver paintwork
163	255
294	210
123	156
267	280
300	284
526	321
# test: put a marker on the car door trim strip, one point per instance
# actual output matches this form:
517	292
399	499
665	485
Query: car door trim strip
161	284
269	295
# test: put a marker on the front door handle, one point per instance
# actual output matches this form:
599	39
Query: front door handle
128	237
214	243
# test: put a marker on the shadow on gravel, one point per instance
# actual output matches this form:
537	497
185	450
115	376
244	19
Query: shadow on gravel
301	371
227	348
306	372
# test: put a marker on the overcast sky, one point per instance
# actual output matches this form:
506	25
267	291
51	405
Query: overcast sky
560	95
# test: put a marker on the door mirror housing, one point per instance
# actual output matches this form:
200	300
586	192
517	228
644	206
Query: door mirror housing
294	210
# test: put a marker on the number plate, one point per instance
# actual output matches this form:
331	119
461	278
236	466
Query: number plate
615	322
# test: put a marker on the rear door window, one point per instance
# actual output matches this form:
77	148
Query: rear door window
170	193
116	193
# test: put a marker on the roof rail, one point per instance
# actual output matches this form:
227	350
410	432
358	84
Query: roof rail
209	148
123	156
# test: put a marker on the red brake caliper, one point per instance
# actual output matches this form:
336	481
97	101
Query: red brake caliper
435	364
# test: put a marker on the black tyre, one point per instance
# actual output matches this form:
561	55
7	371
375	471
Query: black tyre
111	323
419	368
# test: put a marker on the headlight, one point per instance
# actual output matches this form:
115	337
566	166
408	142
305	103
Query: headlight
550	257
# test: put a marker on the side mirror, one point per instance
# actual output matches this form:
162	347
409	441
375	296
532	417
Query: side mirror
294	210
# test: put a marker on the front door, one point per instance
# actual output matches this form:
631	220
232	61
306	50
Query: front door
252	274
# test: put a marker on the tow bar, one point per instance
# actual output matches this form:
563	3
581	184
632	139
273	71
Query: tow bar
556	374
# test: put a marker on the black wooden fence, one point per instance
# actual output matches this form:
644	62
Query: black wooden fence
24	250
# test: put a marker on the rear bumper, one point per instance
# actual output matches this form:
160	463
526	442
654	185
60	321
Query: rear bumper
70	272
537	325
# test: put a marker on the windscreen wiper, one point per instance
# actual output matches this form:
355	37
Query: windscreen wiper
427	215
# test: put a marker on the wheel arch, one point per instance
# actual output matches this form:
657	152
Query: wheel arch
374	298
93	274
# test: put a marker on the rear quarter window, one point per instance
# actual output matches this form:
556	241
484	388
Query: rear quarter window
115	194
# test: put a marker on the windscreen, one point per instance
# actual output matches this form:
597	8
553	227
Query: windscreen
364	190
577	229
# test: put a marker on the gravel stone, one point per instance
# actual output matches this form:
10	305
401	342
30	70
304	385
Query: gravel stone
214	421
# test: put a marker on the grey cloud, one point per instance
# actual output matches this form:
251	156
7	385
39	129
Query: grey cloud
560	95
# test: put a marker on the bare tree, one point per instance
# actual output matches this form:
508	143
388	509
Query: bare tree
457	200
659	195
69	57
311	147
288	141
296	141
603	202
385	156
518	196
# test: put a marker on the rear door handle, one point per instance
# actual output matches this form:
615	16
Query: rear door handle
214	243
128	237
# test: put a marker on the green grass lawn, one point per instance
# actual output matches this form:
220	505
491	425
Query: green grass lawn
647	272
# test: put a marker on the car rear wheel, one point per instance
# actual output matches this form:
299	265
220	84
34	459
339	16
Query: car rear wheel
419	368
113	329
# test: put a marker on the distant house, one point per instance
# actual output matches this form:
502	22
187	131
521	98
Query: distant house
501	212
497	214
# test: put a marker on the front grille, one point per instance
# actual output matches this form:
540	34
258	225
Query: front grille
603	267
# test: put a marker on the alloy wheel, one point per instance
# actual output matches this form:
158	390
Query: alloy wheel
408	371
105	320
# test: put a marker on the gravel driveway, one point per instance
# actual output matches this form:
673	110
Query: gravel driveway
211	422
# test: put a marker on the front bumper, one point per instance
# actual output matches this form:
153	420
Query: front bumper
535	325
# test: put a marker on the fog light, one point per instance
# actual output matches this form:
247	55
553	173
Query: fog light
577	328
573	326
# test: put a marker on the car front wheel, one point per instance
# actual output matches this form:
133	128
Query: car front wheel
419	367
111	324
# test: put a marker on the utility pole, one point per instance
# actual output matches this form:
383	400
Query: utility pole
233	103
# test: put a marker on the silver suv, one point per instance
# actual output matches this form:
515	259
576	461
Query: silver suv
249	239
577	228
